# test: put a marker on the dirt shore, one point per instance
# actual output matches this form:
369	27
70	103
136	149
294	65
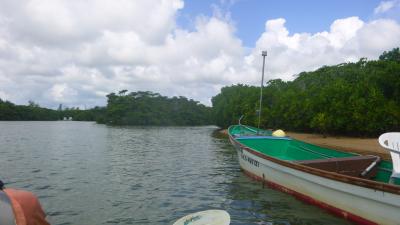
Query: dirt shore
364	146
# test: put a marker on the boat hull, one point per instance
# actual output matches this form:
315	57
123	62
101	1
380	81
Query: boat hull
356	203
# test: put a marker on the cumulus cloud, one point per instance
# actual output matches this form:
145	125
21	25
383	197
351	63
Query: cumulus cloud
347	40
76	52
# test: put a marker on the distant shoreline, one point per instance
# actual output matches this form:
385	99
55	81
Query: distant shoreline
362	146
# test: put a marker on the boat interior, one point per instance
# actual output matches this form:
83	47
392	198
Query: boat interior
356	166
285	148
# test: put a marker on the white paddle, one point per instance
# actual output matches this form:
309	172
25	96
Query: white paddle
208	217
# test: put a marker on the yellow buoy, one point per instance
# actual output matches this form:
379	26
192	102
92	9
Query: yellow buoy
279	133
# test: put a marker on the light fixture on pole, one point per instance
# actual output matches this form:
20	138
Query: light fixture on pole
264	54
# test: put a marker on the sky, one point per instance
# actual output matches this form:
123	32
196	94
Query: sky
75	52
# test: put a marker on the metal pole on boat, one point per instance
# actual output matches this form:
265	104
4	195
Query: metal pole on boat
263	53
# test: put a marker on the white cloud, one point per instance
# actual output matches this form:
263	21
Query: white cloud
60	92
75	52
347	40
62	22
385	6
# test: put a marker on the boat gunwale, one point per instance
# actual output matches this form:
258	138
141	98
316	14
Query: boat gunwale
322	173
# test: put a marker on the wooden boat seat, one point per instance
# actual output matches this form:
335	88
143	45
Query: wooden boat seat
351	166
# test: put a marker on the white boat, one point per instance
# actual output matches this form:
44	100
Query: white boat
358	188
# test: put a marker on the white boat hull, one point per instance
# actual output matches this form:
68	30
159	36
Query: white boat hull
359	204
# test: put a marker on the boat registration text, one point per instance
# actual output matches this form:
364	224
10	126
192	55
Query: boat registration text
250	160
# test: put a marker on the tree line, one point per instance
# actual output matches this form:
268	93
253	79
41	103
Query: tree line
135	108
33	112
357	99
148	108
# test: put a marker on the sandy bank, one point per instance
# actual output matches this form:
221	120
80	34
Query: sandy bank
363	146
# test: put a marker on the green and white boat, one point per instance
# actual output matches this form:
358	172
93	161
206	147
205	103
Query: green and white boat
360	188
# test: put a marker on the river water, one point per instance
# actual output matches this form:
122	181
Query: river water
86	173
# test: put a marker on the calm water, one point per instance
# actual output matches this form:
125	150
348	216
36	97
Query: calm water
85	173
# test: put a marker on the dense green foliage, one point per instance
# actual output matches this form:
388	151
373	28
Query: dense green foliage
148	108
10	111
393	55
94	114
136	108
33	112
359	99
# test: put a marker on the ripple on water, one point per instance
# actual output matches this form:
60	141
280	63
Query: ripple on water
55	213
44	187
85	173
136	187
45	196
27	186
36	171
66	189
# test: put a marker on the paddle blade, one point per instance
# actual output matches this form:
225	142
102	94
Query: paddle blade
208	217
